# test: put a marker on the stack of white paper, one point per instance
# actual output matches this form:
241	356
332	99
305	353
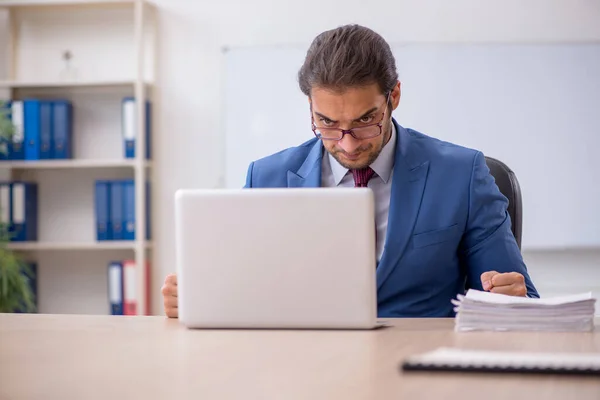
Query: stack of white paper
479	310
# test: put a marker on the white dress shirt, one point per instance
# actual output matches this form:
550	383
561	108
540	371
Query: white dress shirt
334	174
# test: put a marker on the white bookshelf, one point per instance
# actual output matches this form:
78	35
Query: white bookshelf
39	32
75	246
71	164
53	3
75	84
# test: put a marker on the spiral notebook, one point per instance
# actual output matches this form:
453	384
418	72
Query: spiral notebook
452	359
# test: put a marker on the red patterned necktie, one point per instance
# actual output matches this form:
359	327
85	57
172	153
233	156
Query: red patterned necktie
362	176
361	179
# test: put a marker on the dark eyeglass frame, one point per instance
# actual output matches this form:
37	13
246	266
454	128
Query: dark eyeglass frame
350	131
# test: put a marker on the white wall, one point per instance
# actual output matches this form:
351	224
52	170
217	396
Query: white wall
188	97
565	271
189	73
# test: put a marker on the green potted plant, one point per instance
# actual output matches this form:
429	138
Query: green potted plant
16	292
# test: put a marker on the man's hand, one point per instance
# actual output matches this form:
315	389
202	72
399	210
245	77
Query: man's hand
169	292
510	283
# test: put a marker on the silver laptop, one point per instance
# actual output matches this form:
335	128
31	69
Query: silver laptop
276	258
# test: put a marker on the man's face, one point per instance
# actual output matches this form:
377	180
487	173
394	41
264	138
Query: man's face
352	108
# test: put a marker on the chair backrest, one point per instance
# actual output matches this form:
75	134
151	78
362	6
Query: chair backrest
509	186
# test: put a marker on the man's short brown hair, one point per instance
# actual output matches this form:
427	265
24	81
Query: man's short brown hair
348	56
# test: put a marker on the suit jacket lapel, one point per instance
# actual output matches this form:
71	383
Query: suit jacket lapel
309	173
408	184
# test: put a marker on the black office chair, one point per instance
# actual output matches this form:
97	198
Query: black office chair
509	186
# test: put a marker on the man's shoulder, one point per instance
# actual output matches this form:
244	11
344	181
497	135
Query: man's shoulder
440	152
289	158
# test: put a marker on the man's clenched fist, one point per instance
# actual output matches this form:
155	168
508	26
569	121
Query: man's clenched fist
510	283
169	292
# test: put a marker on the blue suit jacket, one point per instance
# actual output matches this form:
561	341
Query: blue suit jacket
448	221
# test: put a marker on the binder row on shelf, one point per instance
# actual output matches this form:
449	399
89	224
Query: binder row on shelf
122	284
129	127
122	287
19	210
44	129
115	210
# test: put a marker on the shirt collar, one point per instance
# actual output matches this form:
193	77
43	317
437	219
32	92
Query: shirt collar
382	166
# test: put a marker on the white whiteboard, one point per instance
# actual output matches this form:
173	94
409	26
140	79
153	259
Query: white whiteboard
535	107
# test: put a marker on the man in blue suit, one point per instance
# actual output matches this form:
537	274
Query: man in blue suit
441	221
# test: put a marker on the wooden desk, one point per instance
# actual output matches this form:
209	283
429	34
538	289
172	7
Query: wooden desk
103	357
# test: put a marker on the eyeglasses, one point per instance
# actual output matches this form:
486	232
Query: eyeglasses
359	133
